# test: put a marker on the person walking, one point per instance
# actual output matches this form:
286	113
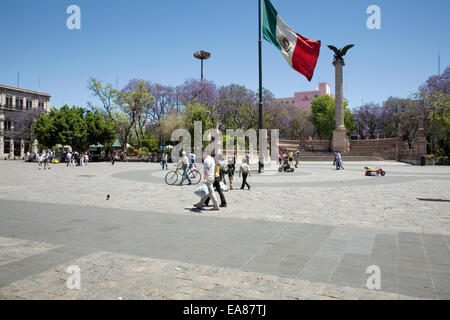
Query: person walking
39	160
219	174
339	159
336	161
191	160
208	173
231	168
297	158
185	165
244	170
164	161
46	160
68	158
86	159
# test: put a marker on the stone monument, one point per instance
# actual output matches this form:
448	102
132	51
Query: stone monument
340	140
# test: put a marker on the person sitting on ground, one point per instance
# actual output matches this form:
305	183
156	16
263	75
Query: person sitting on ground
291	157
286	166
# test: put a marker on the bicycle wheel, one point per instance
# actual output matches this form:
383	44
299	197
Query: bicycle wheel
171	177
195	176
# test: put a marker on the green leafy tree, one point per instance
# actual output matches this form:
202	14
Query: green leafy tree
323	116
149	142
196	111
107	96
75	127
440	121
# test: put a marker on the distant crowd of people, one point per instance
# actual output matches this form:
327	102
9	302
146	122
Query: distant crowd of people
76	159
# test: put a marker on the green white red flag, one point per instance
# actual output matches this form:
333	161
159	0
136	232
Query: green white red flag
300	53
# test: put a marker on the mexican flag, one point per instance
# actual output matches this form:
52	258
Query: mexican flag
300	52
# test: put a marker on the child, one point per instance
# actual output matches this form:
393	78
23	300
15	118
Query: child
245	171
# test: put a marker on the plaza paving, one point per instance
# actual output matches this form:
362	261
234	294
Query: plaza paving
307	235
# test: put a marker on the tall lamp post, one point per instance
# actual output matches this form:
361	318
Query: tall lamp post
202	55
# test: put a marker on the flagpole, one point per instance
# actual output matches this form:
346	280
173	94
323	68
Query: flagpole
260	116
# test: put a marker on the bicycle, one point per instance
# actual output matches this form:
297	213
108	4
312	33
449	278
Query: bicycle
173	176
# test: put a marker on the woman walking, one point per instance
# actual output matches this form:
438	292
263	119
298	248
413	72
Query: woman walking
231	168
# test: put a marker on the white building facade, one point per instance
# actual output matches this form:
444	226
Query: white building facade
15	103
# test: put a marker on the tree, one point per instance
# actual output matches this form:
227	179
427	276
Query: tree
196	111
323	116
149	142
170	123
436	84
409	122
434	96
24	124
135	100
202	92
107	96
165	101
300	125
391	115
237	107
440	121
367	119
75	127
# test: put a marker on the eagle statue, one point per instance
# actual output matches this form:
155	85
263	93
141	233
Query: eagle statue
338	54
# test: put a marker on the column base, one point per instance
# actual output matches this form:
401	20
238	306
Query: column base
340	140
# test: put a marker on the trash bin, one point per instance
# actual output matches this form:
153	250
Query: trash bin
423	160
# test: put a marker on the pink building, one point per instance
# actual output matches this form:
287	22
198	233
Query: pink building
303	99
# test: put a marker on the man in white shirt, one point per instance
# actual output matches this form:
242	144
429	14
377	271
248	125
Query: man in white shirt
185	165
208	173
68	158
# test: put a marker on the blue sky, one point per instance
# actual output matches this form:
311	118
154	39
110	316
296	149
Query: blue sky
155	40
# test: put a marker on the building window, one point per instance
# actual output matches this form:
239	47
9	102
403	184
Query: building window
29	104
7	125
19	103
41	105
8	102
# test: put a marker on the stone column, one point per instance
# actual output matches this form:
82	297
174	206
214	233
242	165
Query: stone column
22	149
11	148
421	141
398	144
339	133
1	136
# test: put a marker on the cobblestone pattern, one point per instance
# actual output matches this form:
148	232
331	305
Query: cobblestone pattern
16	249
106	275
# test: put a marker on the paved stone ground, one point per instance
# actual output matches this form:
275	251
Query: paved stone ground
307	235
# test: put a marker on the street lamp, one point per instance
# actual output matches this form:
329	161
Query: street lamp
202	55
